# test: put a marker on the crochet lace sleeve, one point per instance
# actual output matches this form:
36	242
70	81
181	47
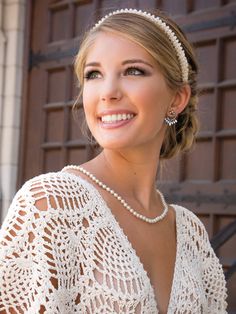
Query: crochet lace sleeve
213	278
214	281
33	261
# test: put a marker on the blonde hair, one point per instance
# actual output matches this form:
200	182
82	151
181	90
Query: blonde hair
144	32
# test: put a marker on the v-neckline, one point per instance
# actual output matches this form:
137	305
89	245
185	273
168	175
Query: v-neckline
134	252
132	249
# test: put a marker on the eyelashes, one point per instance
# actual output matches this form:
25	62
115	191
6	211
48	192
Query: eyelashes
131	71
135	71
90	75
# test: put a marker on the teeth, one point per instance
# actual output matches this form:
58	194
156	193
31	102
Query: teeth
116	117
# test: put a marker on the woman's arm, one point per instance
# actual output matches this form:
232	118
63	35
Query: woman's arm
213	280
28	251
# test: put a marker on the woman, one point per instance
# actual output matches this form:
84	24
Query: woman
100	238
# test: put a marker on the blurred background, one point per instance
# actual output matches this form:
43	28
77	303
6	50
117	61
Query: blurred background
38	42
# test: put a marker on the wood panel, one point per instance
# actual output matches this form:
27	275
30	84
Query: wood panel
206	181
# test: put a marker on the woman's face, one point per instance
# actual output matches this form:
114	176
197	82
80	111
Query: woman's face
125	96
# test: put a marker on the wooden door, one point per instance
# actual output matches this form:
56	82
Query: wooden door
203	180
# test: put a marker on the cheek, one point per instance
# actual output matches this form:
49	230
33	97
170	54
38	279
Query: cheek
141	95
88	99
153	99
85	94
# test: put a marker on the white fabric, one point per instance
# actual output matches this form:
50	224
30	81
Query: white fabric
71	256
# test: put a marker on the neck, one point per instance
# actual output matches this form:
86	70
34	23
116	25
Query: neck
131	174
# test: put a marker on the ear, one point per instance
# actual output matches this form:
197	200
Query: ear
181	99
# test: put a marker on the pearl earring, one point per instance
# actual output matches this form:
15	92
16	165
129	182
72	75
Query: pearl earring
171	118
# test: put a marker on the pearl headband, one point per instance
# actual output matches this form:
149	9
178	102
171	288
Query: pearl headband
165	28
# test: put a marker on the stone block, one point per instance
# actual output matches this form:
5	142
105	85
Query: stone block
8	186
11	111
10	146
13	81
14	16
14	48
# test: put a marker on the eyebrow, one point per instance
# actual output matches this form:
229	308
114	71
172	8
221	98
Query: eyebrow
136	61
123	63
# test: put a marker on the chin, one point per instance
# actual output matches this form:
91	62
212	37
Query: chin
115	143
114	146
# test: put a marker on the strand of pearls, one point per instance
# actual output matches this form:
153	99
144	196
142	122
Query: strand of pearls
165	28
119	198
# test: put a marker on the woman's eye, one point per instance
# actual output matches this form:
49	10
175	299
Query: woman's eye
92	75
134	71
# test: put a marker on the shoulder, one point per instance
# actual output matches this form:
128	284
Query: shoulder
52	182
53	190
191	223
197	247
49	196
187	214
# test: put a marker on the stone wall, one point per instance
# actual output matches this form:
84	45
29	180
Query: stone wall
12	21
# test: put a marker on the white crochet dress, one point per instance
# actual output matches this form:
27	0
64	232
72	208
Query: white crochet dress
71	256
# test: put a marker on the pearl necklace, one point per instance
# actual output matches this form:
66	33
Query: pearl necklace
120	199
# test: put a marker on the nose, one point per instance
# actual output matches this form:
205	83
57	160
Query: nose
111	90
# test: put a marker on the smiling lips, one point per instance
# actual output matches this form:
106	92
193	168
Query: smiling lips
116	119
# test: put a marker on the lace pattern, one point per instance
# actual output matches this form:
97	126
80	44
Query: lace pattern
62	251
